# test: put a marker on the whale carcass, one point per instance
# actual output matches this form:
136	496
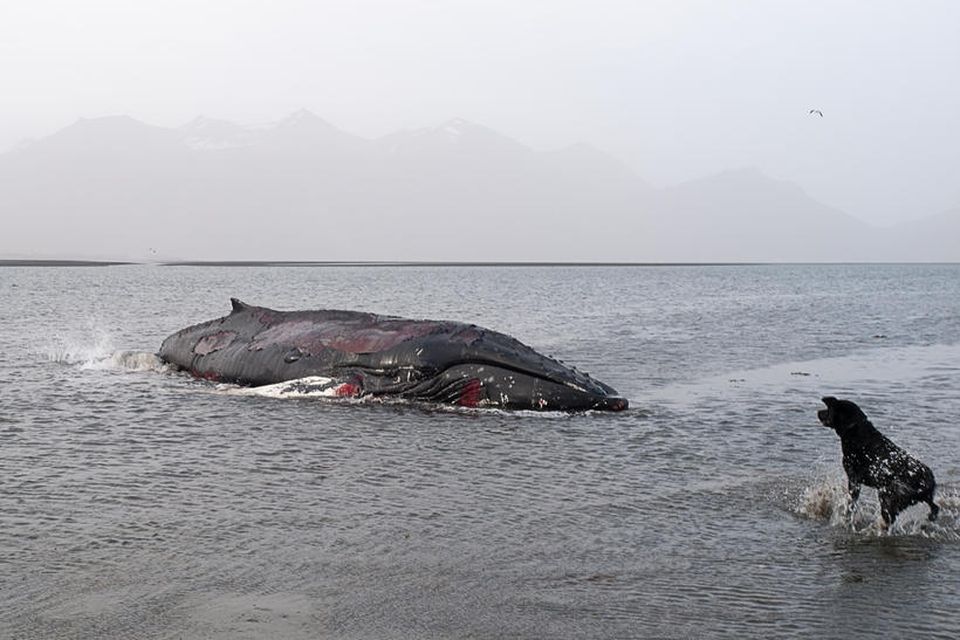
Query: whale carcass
363	354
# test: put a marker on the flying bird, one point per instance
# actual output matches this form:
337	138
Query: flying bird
816	111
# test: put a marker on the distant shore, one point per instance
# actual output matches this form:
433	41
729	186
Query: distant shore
59	263
372	263
375	263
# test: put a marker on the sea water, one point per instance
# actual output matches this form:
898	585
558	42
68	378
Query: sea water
137	502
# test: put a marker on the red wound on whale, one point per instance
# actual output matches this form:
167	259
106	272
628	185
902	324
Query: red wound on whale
470	396
347	390
212	376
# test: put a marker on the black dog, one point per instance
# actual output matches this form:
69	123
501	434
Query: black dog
870	458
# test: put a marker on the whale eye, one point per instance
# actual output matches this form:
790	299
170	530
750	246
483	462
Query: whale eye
292	356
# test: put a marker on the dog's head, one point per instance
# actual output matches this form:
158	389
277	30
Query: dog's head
840	415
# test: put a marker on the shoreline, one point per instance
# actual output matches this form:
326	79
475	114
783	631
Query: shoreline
413	263
62	263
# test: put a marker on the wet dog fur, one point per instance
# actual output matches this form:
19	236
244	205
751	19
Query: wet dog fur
872	459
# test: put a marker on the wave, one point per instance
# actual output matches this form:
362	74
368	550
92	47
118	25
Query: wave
99	352
121	360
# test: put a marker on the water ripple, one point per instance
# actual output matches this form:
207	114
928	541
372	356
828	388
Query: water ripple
140	503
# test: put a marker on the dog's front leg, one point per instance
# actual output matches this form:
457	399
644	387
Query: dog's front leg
854	488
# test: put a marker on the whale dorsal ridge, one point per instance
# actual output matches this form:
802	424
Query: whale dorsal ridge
238	305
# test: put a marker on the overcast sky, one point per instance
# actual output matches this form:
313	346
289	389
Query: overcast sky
678	89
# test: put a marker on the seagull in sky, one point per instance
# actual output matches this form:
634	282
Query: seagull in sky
816	111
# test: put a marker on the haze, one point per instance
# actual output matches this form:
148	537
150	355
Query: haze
678	91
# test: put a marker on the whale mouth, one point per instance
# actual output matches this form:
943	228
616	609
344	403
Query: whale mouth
479	384
613	403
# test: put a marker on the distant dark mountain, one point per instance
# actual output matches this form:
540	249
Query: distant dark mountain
97	188
935	238
303	189
745	215
455	137
203	133
305	131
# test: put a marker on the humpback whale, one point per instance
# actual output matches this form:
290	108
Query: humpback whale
358	354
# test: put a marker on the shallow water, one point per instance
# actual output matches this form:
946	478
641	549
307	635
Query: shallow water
137	502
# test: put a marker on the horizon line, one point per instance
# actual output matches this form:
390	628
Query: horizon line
423	263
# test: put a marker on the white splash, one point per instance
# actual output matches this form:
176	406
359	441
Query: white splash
309	387
133	361
101	357
826	500
94	348
80	351
829	500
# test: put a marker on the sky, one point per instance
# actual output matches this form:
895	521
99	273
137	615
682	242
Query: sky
677	89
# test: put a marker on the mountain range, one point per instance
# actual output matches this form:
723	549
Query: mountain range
302	189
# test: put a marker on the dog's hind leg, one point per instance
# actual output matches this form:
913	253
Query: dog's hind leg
889	508
886	518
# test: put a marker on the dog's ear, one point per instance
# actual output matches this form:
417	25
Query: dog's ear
828	400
